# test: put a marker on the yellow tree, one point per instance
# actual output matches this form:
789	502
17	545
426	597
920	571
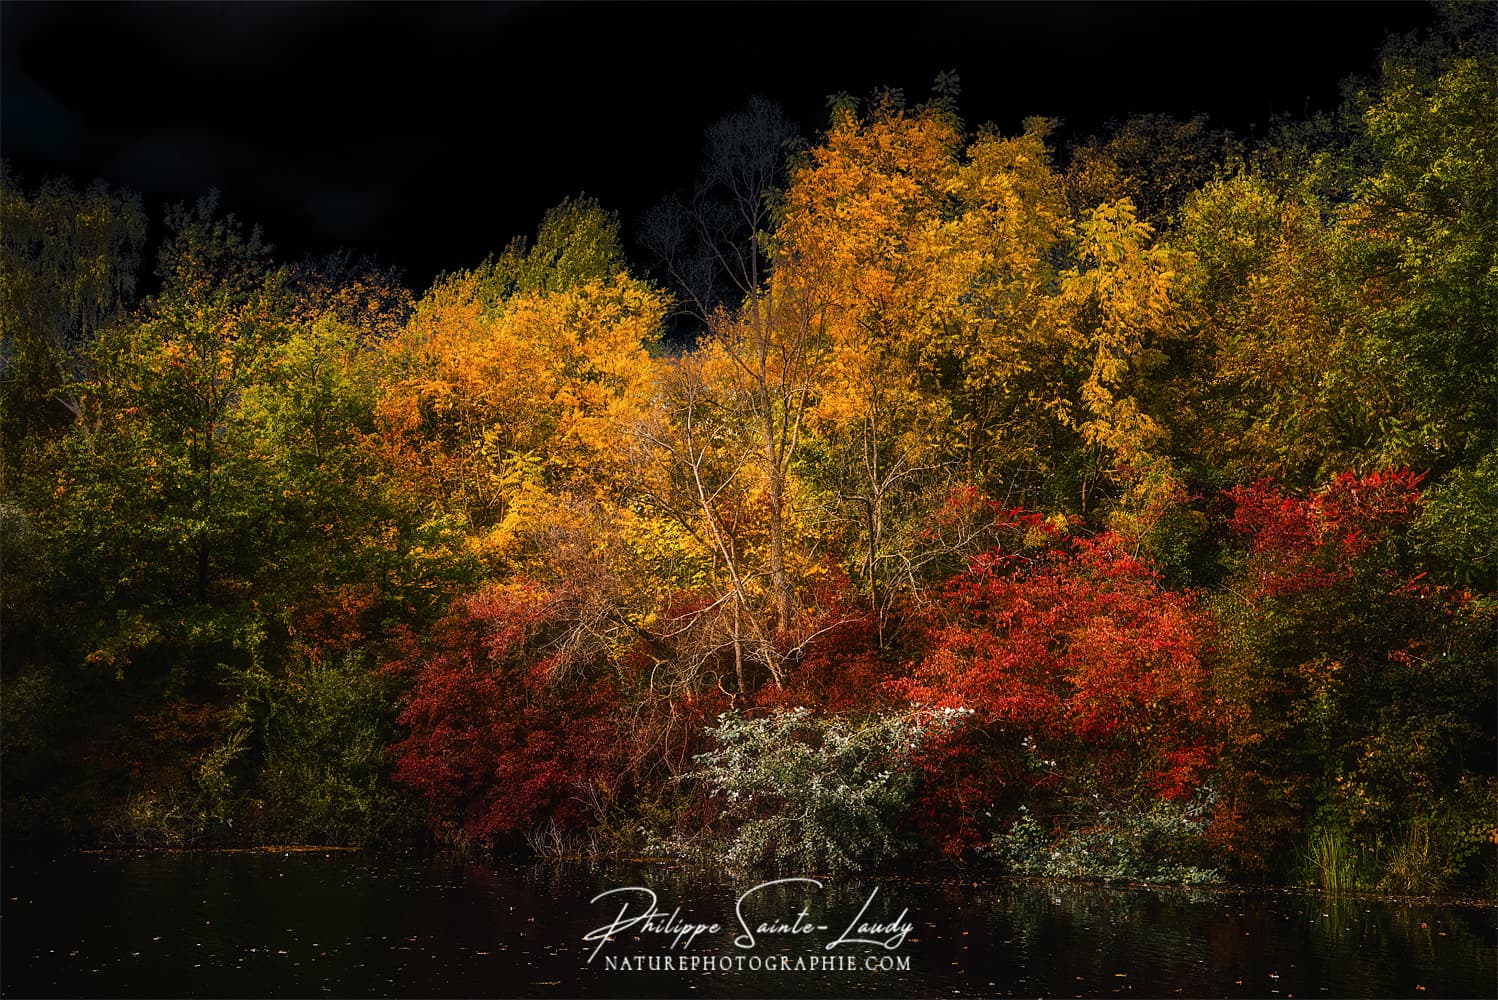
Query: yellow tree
870	218
1120	317
518	414
1003	360
1293	386
695	471
495	403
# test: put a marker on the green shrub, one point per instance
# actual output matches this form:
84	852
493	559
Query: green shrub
302	757
325	775
1444	844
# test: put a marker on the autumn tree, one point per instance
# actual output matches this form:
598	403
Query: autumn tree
493	402
867	218
696	473
1289	384
1155	161
720	254
510	403
949	358
495	744
1119	310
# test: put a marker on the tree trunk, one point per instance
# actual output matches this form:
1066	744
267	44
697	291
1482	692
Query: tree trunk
203	532
778	581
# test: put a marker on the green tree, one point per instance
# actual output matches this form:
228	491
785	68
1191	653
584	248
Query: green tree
68	262
576	243
1428	226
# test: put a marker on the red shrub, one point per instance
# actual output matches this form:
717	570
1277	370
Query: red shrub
1079	669
1297	545
496	743
838	668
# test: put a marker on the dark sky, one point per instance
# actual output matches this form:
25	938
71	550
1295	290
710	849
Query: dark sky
430	134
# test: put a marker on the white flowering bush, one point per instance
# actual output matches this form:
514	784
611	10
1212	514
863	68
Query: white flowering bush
813	793
1158	842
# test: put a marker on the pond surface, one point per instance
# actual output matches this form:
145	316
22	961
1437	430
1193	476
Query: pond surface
283	925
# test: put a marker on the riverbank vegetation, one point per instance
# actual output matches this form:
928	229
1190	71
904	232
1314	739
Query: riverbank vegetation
1121	508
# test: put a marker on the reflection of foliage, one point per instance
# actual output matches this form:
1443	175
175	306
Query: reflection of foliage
1209	937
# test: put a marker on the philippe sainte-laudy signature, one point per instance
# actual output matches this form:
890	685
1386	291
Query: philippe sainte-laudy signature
646	917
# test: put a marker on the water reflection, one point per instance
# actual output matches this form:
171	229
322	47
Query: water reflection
353	925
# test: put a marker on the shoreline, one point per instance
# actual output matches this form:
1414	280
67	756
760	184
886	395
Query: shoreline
975	879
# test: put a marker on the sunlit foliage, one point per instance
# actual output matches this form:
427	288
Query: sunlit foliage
1123	511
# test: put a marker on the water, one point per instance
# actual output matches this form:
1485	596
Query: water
278	925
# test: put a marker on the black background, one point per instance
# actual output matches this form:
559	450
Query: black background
430	134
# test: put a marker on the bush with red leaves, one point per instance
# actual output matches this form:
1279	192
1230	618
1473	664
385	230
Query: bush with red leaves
499	741
1083	673
1297	545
